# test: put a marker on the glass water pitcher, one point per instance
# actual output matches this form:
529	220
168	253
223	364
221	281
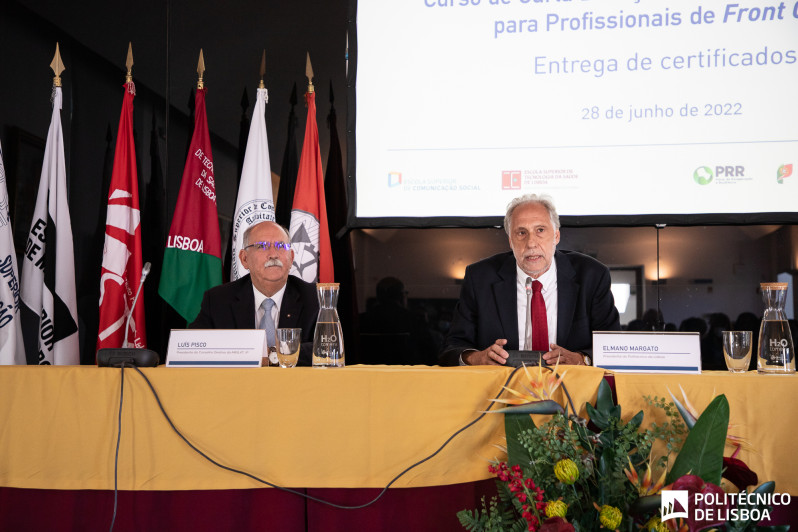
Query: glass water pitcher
776	350
328	342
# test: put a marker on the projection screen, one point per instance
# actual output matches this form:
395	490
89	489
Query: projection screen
627	112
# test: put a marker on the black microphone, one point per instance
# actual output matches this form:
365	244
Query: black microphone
126	355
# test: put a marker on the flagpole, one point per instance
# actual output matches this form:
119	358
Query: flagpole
121	318
58	66
255	198
48	269
201	71
309	74
193	259
262	85
309	230
129	63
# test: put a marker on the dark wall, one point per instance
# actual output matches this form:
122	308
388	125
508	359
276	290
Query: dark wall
166	37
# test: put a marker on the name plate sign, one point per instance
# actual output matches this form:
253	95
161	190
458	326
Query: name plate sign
215	348
647	352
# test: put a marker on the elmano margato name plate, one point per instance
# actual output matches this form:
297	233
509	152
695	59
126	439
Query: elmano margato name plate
647	352
216	348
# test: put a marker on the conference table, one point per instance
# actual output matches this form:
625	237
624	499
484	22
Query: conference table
329	439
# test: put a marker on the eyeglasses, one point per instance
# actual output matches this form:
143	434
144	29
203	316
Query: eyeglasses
278	244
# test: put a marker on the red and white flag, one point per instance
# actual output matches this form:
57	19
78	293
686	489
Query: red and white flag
121	267
310	236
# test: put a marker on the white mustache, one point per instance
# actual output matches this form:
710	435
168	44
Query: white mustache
273	262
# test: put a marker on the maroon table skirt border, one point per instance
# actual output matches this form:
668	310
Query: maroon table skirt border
417	509
431	509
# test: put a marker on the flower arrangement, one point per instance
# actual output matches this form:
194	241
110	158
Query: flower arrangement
571	474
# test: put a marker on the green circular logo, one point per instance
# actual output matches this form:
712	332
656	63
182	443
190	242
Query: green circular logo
703	175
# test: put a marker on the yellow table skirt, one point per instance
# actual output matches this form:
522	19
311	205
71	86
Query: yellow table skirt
762	411
358	426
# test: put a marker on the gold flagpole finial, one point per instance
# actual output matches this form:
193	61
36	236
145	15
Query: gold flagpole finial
261	85
58	66
201	71
309	73
129	63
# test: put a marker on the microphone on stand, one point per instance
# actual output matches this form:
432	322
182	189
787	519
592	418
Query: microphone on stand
526	355
144	273
528	287
127	355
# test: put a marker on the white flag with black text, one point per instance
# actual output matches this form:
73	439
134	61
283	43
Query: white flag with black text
12	350
255	201
49	304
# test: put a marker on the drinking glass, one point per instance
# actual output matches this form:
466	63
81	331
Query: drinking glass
288	343
737	350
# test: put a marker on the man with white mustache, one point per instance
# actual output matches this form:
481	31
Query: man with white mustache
493	315
268	256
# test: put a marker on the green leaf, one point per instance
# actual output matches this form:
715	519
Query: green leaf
740	525
605	475
604	402
688	418
645	505
514	425
538	407
605	408
636	421
702	453
596	417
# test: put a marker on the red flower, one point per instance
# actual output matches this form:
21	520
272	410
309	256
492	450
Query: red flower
738	473
556	524
695	484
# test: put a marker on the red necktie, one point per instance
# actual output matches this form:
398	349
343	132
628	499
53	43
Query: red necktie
540	330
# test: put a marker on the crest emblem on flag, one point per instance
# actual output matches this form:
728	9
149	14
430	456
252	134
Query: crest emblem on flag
304	233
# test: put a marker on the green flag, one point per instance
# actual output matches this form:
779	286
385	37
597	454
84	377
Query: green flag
192	261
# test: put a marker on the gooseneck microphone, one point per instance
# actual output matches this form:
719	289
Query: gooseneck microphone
144	273
528	287
127	355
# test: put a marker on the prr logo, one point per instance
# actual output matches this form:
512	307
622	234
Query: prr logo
785	170
674	503
730	171
394	179
511	179
703	175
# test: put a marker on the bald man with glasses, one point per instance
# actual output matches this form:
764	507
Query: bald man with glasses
268	295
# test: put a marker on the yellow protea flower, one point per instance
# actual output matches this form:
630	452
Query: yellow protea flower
655	525
556	509
610	517
566	471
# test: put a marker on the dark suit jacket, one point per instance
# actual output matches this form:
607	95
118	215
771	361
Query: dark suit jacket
232	306
487	309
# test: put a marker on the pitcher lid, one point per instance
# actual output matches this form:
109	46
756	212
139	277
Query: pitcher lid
773	286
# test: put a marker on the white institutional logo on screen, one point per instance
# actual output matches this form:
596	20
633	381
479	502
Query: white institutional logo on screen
674	504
